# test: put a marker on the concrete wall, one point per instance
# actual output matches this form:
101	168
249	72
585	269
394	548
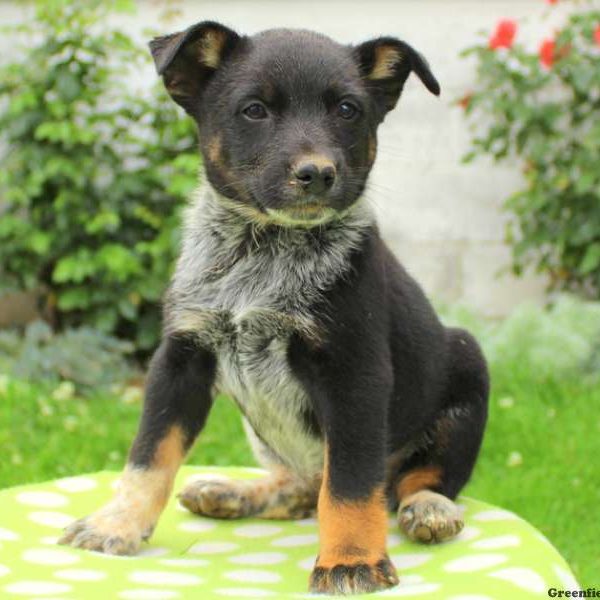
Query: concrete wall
442	219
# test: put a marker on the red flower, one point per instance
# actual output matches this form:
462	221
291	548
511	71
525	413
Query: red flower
465	101
597	34
504	36
547	52
551	1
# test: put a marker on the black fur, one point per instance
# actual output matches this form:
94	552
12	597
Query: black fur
385	375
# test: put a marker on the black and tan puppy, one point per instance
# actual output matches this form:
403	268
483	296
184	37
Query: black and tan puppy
353	393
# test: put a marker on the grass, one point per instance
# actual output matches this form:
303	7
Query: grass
539	459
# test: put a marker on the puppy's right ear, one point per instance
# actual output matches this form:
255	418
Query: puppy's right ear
188	59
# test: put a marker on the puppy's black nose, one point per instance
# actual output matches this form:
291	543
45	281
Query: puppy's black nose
315	177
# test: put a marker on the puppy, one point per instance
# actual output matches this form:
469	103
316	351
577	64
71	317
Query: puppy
354	395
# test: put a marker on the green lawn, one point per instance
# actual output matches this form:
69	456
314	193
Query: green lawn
540	456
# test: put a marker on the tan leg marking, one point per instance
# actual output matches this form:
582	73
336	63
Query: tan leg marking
418	479
352	555
120	526
423	515
279	495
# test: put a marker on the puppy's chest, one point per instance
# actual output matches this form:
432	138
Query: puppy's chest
244	296
247	317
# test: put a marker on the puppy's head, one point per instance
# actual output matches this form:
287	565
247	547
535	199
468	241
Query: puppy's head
288	119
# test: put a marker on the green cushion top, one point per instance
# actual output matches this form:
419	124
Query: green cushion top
497	555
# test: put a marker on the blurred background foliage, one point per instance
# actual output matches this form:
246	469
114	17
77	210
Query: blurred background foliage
93	174
542	107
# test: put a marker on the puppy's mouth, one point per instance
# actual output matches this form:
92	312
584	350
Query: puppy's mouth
305	214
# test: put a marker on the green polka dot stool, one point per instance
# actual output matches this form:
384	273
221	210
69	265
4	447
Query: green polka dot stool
497	555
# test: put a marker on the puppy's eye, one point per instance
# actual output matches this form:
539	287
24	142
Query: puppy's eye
255	111
347	110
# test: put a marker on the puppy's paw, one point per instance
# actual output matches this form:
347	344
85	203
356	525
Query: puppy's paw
111	530
218	498
359	578
429	517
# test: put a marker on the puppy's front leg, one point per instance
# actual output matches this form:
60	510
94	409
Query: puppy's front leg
351	403
353	530
176	406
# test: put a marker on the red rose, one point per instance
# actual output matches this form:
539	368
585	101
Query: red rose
465	101
597	34
547	54
504	36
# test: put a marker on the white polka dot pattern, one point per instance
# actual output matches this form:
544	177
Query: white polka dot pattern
259	530
501	541
522	577
253	576
420	589
49	556
57	520
474	562
213	548
185	562
37	588
468	533
75	485
8	536
196	526
43	499
410	561
293	541
259	558
568	581
149	594
149	552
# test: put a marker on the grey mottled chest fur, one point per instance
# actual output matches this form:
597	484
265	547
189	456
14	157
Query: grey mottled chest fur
243	289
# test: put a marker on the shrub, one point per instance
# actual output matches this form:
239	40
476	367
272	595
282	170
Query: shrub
83	358
543	107
561	342
93	175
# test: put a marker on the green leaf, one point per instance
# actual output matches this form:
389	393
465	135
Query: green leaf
40	241
127	309
68	85
74	298
591	259
585	183
75	267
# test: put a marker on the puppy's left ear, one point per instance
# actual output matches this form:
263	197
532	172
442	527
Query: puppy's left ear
385	64
188	59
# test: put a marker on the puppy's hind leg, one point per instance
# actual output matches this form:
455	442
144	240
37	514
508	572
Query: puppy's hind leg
279	495
175	409
427	485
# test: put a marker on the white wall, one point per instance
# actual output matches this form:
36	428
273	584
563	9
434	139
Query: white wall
442	219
